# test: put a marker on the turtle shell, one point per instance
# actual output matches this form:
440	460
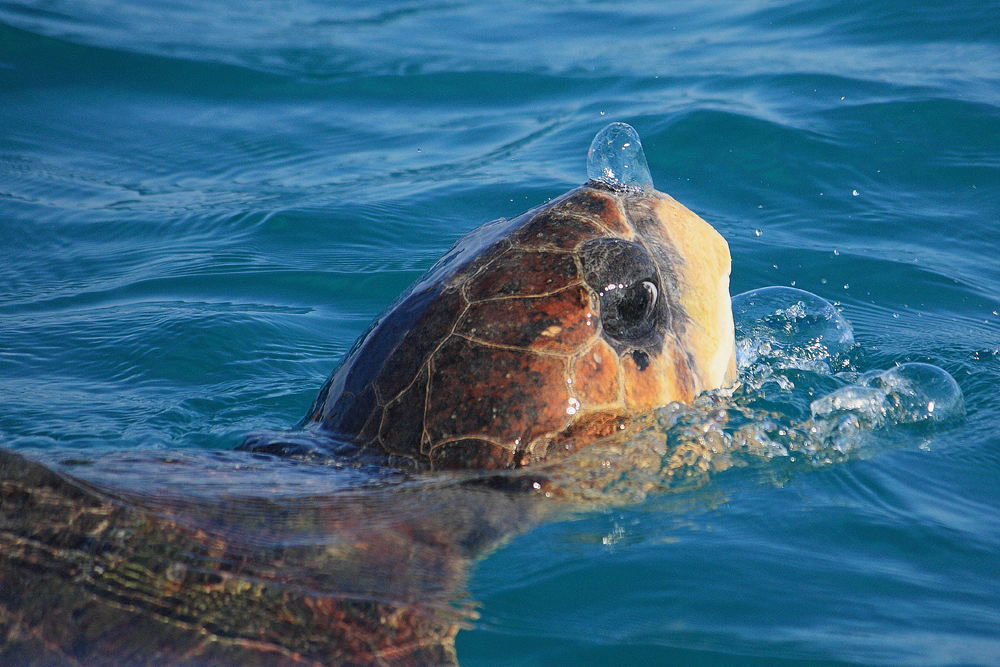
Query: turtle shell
534	335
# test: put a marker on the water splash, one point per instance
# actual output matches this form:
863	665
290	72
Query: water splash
906	394
784	327
616	158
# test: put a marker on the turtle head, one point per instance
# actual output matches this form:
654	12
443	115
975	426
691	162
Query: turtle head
662	291
536	335
662	285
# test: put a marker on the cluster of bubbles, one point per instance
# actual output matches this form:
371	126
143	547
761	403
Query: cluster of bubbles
801	395
779	329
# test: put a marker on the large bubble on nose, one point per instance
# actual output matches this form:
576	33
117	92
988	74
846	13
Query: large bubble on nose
788	328
616	158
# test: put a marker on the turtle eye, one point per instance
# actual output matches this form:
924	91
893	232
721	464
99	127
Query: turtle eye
625	279
625	309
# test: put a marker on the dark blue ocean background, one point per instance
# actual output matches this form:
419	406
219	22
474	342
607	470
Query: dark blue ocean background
204	203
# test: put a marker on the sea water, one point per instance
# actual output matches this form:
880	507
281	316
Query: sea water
203	204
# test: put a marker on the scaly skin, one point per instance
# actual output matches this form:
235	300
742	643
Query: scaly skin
512	345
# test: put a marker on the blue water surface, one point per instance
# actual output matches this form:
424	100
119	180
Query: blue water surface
203	204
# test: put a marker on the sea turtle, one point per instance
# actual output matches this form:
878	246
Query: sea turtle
531	338
535	335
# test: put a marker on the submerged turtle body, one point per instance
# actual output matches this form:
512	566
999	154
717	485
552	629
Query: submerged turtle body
537	334
91	579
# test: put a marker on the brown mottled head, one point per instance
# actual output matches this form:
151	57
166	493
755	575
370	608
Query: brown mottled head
548	330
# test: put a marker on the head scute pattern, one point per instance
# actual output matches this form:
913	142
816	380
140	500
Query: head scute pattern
536	335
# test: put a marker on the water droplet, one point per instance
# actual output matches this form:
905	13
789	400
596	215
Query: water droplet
616	158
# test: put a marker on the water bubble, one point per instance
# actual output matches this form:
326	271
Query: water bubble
790	327
918	392
867	405
616	158
906	394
